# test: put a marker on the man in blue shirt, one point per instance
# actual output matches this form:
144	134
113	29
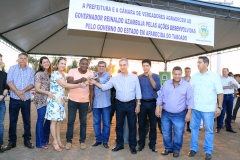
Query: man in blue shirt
101	108
20	79
150	85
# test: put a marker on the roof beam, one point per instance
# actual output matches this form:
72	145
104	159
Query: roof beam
34	21
11	43
201	47
154	43
47	38
103	44
157	49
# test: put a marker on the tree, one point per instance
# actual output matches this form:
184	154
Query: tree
90	60
111	69
73	65
3	67
54	62
93	68
34	62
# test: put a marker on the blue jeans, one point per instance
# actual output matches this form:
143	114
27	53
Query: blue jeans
227	108
102	132
2	115
208	120
122	110
147	109
72	110
14	107
175	122
42	128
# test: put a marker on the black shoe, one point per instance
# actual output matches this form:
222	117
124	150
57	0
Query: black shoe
105	145
133	151
153	149
175	154
9	146
117	148
96	144
231	130
28	145
2	149
217	130
189	130
166	152
208	156
140	148
191	153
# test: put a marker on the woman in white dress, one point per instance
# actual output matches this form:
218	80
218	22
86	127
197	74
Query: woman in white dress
55	108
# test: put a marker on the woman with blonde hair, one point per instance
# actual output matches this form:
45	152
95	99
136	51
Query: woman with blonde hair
55	108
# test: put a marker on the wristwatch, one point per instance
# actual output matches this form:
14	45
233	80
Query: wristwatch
139	103
220	108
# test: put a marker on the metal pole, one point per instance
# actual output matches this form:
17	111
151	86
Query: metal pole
165	66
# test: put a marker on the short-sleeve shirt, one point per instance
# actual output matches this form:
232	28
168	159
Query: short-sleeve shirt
40	100
21	78
206	86
79	94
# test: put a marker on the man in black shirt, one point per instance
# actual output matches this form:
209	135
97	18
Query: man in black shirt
3	94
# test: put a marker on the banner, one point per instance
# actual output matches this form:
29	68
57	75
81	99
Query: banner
164	76
121	18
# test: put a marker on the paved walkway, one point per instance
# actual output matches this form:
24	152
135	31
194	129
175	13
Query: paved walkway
227	145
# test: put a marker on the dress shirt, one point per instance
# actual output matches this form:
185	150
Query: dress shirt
225	82
102	98
184	78
148	92
21	78
176	99
206	86
127	87
3	79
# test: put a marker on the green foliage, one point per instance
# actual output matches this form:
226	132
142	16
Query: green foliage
90	60
54	62
3	67
34	62
73	65
111	69
93	68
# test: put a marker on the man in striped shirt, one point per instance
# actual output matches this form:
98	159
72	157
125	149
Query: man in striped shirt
127	90
20	79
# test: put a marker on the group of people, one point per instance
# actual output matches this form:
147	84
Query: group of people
141	99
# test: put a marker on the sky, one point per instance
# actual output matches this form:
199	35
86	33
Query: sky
227	60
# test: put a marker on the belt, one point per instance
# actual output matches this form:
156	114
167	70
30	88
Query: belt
228	94
126	102
148	100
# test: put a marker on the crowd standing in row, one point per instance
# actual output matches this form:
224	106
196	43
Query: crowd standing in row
180	100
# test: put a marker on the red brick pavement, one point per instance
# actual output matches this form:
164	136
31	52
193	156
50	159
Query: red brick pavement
227	145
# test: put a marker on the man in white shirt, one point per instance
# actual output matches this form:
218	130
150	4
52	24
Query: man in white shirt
228	84
127	90
207	88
